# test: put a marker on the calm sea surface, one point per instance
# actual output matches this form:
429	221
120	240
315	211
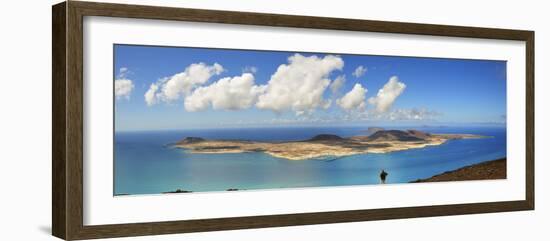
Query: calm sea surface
145	165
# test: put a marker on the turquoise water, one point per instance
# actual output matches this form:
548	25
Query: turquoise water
144	164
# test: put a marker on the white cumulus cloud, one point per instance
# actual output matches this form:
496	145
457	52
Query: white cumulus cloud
171	88
354	99
150	95
228	93
385	97
299	85
359	71
337	83
123	88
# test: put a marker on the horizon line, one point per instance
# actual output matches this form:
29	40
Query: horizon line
320	126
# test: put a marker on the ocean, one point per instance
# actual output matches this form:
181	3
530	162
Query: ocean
145	163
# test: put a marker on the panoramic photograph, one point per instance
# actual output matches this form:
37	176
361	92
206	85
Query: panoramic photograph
190	119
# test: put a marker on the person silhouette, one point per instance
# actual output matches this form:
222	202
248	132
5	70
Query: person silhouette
383	175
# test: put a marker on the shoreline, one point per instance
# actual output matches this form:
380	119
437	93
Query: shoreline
487	170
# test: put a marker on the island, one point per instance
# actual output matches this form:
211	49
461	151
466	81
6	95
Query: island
325	145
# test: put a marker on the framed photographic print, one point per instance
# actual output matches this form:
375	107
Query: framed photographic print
171	120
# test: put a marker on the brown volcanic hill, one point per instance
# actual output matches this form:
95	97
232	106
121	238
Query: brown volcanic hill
398	135
372	130
326	137
190	140
419	134
481	171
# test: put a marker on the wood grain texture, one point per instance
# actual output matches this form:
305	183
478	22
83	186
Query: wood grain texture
530	120
58	121
67	137
122	230
75	110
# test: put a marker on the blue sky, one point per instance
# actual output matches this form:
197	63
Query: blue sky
216	88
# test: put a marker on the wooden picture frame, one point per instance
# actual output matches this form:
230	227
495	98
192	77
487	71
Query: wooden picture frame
67	137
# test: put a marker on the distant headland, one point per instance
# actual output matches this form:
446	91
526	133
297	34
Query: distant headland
325	145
